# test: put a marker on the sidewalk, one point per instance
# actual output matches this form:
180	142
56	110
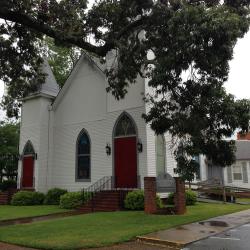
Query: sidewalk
180	236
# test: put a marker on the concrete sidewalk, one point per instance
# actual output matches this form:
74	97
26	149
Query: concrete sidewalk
180	236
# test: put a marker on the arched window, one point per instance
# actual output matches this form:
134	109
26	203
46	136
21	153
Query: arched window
125	126
83	157
28	149
160	154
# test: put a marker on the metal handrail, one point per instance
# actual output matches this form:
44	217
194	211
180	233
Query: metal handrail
105	183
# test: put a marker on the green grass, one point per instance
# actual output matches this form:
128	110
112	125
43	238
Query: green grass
100	229
247	200
13	212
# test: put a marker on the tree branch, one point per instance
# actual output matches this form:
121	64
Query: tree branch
17	17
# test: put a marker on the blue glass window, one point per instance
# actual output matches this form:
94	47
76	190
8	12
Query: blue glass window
83	157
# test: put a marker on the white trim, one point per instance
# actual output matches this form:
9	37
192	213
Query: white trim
37	95
69	79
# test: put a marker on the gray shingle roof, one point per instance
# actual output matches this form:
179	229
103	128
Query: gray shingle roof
243	150
50	86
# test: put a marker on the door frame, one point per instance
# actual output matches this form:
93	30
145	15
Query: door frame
32	154
33	179
136	141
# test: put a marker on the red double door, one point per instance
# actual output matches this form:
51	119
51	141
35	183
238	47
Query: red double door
125	162
28	172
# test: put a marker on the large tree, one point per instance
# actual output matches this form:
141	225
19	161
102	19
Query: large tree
9	137
190	41
61	59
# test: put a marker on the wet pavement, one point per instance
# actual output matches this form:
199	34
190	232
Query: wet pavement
186	234
236	238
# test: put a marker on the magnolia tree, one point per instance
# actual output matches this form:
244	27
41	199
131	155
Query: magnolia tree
186	37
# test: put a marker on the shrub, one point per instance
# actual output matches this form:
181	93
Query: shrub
159	202
7	184
135	200
170	199
191	198
53	196
27	198
71	200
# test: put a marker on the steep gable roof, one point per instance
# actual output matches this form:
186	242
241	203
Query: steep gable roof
50	86
93	60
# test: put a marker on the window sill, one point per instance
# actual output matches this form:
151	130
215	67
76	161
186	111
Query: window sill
82	180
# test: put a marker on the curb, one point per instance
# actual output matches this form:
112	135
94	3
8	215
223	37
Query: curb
155	241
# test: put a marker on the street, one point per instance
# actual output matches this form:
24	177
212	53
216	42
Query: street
237	238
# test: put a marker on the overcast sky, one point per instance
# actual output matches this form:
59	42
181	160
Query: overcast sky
238	83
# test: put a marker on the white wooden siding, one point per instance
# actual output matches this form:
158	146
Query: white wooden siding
101	133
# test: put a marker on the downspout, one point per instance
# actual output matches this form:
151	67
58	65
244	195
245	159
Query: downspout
48	154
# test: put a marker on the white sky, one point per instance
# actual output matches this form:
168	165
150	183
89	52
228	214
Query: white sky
239	77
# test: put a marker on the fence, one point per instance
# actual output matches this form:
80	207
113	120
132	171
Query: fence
8	166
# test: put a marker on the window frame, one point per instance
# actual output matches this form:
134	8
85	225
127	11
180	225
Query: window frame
77	179
239	165
130	119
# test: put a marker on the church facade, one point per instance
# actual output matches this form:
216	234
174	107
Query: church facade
73	137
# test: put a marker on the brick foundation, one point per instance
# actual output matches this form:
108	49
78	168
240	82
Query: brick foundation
150	206
179	199
6	196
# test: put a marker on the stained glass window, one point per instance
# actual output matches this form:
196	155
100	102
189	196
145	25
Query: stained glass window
28	149
83	157
125	126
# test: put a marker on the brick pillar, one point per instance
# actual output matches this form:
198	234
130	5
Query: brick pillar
180	199
150	206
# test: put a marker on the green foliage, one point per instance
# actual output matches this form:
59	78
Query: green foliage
71	200
9	138
53	196
97	228
61	60
170	199
135	200
27	198
191	198
7	184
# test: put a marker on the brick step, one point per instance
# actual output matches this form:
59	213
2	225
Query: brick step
109	199
106	204
102	204
106	200
106	210
103	196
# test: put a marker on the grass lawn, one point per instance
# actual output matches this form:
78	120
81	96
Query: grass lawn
99	229
12	212
247	200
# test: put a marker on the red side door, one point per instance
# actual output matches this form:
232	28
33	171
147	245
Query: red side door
125	162
28	172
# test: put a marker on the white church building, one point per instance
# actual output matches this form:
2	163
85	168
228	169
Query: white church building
73	137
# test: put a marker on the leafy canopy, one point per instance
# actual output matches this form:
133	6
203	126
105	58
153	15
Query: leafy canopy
190	42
